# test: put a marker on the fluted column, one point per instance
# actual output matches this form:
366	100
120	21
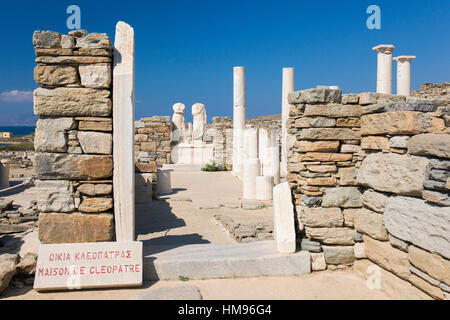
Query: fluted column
384	69
404	75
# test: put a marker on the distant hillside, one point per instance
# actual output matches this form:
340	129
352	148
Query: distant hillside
268	117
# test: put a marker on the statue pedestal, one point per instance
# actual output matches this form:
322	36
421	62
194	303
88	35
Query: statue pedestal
197	153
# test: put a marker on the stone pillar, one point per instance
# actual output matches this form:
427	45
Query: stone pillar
384	71
123	136
239	119
251	171
250	143
273	168
288	87
263	145
164	184
404	75
284	223
4	174
264	188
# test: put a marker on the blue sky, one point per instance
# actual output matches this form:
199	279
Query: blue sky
186	49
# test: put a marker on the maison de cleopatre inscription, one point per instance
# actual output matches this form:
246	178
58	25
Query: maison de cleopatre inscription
75	253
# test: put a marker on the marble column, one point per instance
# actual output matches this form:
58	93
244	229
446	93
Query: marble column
239	119
264	188
123	135
283	219
263	145
273	169
164	181
288	87
4	174
384	68
250	172
404	75
250	143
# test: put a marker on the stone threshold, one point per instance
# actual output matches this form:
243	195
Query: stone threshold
219	261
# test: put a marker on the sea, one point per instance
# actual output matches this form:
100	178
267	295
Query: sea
18	131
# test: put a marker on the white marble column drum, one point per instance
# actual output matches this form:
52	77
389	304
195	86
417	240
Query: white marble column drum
273	167
164	181
4	174
288	87
263	145
123	136
264	188
250	143
384	68
251	171
404	75
239	120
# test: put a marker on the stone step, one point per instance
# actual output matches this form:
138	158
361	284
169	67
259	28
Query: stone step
183	167
215	261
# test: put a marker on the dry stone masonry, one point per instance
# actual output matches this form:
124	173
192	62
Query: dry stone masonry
73	142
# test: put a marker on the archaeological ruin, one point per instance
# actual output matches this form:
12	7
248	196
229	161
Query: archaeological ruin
344	177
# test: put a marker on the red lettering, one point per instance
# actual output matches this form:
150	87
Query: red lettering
128	254
52	257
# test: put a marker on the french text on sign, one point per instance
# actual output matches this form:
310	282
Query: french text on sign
89	265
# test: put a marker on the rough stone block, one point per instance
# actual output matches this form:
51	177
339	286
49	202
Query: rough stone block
323	217
433	264
55	75
373	200
336	255
401	174
318	146
340	236
96	75
371	223
55	196
94	41
422	224
96	205
345	197
375	143
46	39
95	142
395	123
430	145
329	134
335	111
51	134
75	228
317	95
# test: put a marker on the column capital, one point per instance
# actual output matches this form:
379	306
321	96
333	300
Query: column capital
384	48
404	58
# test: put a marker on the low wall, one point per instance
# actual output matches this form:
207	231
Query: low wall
73	142
370	179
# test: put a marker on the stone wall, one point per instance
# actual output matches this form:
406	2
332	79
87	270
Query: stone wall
220	133
433	90
152	145
405	177
73	141
370	178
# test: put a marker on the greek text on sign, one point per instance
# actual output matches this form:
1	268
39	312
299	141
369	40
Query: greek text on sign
89	265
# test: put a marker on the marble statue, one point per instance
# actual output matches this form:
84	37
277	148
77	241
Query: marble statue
199	119
178	122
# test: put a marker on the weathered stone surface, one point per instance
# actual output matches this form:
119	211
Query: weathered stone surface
53	166
399	142
385	255
438	198
439	175
94	41
348	122
350	98
55	196
311	246
366	98
423	285
14	228
322	168
326	157
339	254
401	174
415	221
422	106
171	293
46	39
96	75
345	197
430	145
94	124
321	95
371	223
95	142
433	264
347	176
318	146
402	122
318	122
350	215
284	225
75	228
397	243
341	236
95	189
51	134
335	111
67	42
7	269
360	250
27	264
328	181
96	205
72	102
329	134
55	75
71	60
373	200
318	262
375	143
323	217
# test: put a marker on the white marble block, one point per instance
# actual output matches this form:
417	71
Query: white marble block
123	136
251	171
283	219
4	174
164	183
264	188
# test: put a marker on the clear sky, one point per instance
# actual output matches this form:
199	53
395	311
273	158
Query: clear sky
186	49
